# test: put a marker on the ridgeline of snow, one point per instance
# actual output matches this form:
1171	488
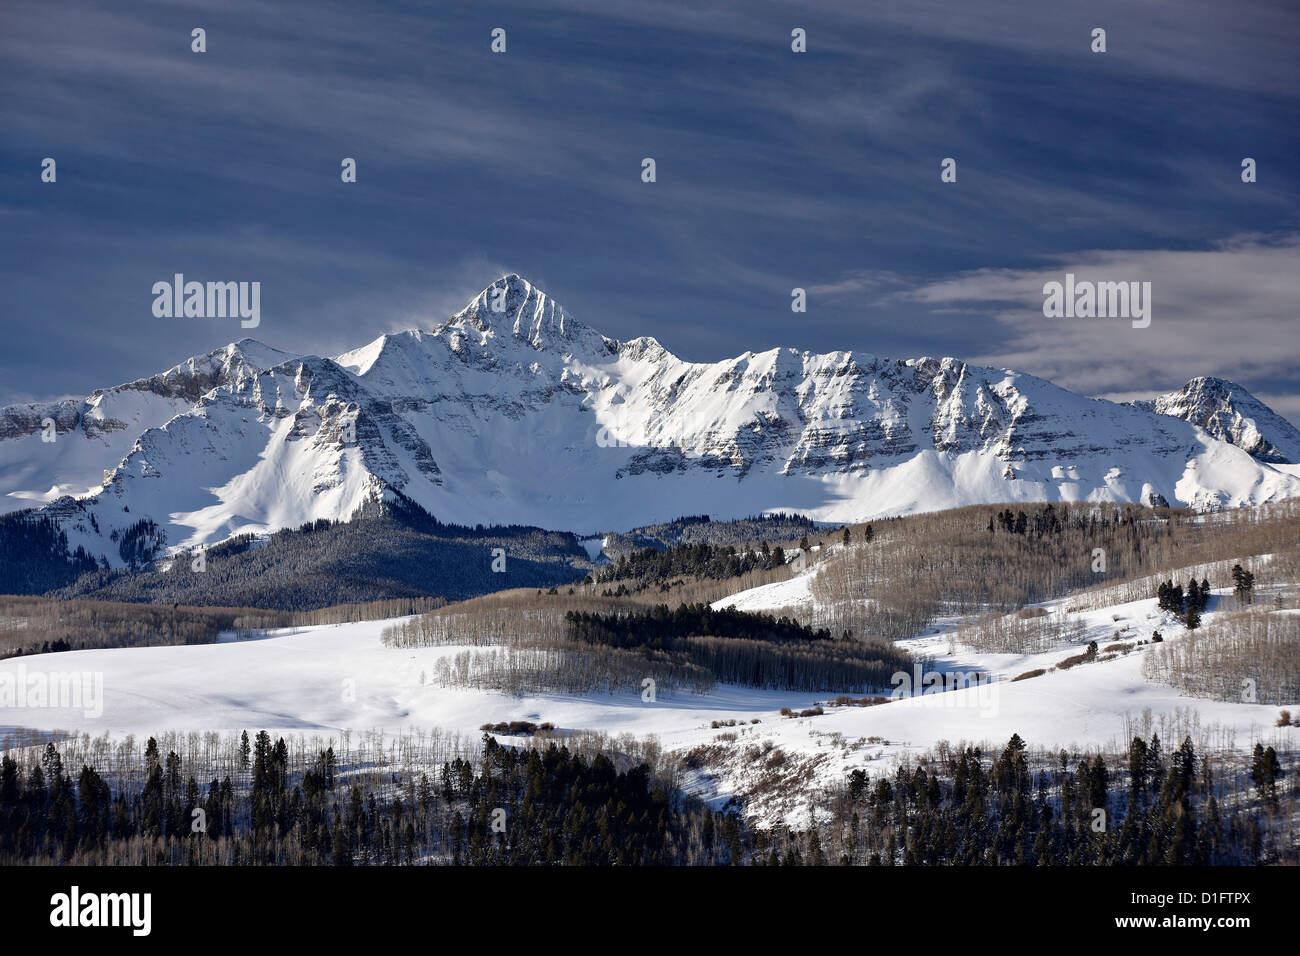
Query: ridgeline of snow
525	415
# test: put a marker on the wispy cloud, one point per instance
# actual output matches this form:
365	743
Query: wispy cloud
1229	310
776	170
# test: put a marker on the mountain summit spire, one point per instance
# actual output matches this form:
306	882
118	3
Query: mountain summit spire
514	304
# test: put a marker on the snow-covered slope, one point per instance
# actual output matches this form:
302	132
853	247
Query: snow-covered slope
512	411
63	448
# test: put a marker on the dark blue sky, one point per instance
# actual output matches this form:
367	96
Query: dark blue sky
775	170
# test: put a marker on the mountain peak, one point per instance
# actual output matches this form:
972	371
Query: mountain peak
258	354
516	306
1230	413
1209	384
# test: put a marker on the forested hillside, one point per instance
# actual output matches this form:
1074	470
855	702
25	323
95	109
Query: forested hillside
977	560
34	555
702	529
372	557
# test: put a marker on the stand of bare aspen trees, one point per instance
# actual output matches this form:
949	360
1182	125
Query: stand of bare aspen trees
970	561
1250	655
520	642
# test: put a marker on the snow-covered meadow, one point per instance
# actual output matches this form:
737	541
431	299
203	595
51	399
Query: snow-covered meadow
323	681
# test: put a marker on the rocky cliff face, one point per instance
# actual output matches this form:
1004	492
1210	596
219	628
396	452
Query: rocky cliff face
511	411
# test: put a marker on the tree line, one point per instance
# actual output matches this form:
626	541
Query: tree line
272	803
971	808
660	627
701	560
531	807
39	625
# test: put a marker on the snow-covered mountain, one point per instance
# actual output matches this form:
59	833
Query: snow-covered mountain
1230	413
58	448
513	412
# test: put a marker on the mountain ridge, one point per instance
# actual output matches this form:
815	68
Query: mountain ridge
511	411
